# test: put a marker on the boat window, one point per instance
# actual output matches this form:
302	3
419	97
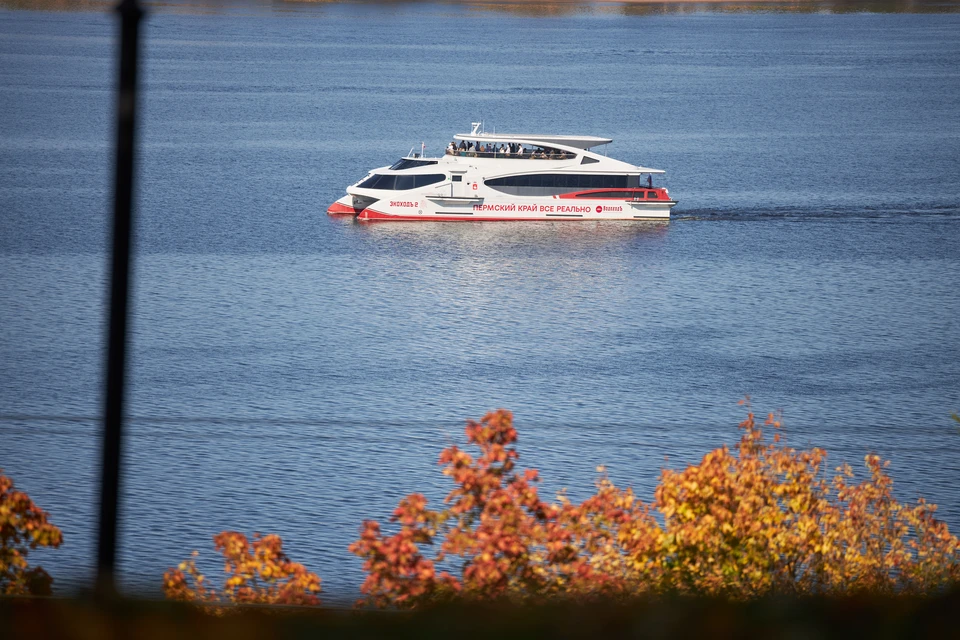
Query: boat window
612	194
652	195
378	181
401	183
562	180
427	179
406	163
546	184
457	178
587	160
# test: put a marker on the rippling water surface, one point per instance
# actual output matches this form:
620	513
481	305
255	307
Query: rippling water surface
294	373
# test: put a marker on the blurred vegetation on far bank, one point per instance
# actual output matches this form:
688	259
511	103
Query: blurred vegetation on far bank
531	8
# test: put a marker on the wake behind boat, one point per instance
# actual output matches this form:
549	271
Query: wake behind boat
486	176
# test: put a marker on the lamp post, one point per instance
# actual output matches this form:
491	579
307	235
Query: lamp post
130	15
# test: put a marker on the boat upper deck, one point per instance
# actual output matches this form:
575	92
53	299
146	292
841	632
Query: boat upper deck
567	153
575	142
534	139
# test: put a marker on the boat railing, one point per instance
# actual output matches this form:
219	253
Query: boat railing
530	155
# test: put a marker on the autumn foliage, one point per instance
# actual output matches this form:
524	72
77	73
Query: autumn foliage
23	526
755	520
256	573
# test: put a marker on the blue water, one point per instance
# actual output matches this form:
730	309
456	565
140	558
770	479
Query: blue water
296	374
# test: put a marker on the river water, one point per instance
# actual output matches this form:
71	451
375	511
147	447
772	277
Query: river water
296	374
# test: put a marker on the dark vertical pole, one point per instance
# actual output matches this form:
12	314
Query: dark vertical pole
130	15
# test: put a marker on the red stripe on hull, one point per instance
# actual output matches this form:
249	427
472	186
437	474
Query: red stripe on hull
337	209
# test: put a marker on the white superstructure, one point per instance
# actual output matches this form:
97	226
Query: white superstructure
484	176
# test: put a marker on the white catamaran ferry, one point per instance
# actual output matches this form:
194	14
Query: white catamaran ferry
489	176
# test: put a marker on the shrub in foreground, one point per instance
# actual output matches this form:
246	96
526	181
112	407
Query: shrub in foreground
756	520
887	617
256	573
23	526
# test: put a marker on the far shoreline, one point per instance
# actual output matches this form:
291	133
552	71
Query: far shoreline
530	8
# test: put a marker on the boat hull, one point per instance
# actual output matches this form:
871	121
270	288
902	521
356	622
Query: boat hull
513	209
344	206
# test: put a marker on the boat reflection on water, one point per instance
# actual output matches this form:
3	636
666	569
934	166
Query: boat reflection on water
507	235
